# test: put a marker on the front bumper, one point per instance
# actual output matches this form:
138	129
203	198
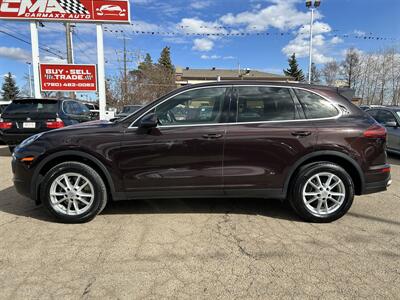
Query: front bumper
22	178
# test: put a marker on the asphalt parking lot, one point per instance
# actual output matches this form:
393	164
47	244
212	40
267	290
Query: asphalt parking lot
209	248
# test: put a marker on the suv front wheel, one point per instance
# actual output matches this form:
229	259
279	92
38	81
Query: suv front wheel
322	192
73	192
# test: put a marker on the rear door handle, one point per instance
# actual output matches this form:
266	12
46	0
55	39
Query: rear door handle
301	133
212	136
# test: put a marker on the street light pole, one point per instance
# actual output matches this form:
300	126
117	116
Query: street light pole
312	4
311	45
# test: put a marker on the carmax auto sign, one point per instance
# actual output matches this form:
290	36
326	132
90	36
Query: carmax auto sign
102	11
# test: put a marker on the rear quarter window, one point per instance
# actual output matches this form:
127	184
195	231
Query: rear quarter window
316	107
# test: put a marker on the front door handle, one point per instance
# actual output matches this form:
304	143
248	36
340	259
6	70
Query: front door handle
212	136
301	133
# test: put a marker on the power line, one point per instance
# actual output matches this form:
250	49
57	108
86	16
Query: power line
29	43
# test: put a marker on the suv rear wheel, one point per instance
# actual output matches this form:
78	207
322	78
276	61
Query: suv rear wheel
322	192
73	192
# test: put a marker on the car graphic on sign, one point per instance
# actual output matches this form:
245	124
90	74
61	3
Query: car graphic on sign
110	10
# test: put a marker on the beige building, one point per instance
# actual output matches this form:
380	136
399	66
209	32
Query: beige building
185	76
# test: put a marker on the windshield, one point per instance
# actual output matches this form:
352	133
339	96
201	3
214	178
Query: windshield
32	106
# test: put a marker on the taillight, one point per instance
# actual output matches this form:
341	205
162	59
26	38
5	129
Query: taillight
5	125
58	123
375	132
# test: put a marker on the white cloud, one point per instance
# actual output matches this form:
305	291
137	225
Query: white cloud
203	44
214	56
336	40
15	53
301	44
282	15
200	4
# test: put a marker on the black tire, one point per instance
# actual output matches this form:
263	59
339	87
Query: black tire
100	191
303	175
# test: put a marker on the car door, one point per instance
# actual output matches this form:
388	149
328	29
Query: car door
184	154
384	117
266	136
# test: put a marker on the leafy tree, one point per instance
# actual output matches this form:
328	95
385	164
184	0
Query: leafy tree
165	60
294	70
9	89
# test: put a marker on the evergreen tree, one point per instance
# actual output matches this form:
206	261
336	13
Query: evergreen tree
147	63
294	70
165	60
9	90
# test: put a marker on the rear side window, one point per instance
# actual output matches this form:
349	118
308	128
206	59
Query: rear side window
32	106
316	107
264	104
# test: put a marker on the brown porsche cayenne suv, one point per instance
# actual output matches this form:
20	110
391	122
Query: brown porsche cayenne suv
301	143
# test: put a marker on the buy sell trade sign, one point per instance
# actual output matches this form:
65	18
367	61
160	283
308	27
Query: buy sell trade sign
77	78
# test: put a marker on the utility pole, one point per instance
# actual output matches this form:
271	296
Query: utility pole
70	54
125	61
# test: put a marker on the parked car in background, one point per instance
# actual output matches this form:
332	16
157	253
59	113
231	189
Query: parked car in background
299	142
364	107
26	117
94	110
126	111
390	118
3	106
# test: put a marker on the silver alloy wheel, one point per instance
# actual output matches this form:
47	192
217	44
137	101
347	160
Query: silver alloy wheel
71	194
324	193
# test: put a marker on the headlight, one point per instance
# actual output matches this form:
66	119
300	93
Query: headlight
30	140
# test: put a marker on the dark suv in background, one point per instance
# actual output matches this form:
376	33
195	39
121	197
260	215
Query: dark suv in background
306	144
26	117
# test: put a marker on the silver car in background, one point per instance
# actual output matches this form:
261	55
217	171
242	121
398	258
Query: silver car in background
390	118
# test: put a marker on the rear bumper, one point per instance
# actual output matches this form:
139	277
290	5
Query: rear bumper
376	187
378	179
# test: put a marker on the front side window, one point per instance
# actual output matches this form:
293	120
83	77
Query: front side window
316	107
257	104
201	106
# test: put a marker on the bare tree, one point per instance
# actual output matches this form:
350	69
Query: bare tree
330	72
350	67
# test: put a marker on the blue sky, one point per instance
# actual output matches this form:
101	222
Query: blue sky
181	18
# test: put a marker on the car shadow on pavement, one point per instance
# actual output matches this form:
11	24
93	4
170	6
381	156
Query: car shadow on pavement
12	203
4	151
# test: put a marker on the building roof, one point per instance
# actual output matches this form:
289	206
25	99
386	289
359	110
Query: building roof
212	74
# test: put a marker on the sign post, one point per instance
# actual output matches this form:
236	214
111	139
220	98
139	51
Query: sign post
101	71
35	58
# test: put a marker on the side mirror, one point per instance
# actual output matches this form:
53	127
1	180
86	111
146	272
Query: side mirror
391	124
149	121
